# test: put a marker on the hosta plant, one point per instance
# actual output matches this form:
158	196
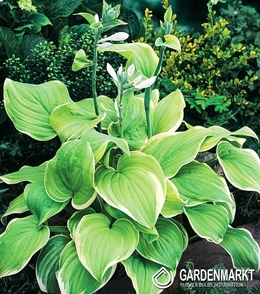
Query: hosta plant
126	167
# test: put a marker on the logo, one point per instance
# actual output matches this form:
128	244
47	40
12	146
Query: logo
166	280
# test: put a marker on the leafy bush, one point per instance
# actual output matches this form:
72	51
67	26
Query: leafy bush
48	62
217	75
122	174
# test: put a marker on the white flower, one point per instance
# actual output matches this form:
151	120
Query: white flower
105	45
131	70
115	37
111	71
122	78
146	83
96	17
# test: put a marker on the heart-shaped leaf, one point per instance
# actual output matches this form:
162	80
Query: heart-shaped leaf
137	187
173	204
101	245
82	281
171	41
243	249
29	106
145	274
215	216
70	121
99	143
140	54
168	113
133	111
168	248
39	203
76	218
241	166
28	236
47	263
221	133
105	105
175	150
198	183
25	174
70	174
81	61
117	214
230	207
18	205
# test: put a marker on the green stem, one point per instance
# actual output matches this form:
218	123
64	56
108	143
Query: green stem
119	106
94	77
159	65
101	203
147	98
148	92
59	229
194	239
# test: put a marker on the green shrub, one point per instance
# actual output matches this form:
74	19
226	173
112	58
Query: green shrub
50	62
217	75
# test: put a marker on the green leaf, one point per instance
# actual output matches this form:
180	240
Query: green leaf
134	25
215	216
230	207
10	41
39	203
141	272
88	17
99	143
175	150
168	113
171	42
137	187
62	8
221	133
168	248
18	205
241	166
101	245
39	19
29	106
242	248
80	61
76	218
112	24
173	204
96	26
198	183
117	214
25	174
140	54
20	241
168	15
133	111
81	281
70	121
245	132
70	174
105	105
48	262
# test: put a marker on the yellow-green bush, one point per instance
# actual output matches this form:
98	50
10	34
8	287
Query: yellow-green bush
217	75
